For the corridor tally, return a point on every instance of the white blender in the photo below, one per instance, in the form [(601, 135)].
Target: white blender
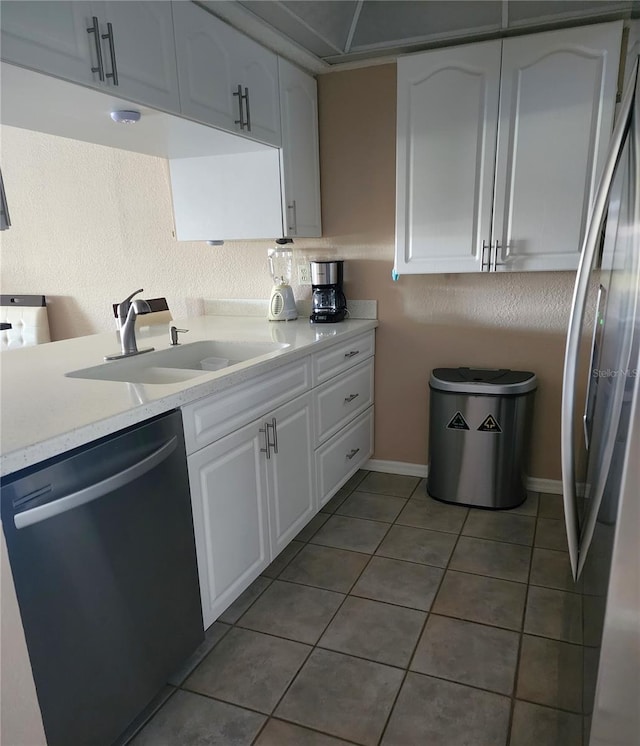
[(282, 304)]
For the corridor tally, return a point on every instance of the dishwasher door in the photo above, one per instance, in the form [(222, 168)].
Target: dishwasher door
[(103, 557)]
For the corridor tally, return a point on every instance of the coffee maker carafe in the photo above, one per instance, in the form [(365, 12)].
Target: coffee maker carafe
[(328, 303)]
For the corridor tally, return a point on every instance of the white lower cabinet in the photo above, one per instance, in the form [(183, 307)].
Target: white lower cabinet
[(343, 407), (290, 469), (230, 520), (338, 401), (251, 492), (341, 456), (255, 485)]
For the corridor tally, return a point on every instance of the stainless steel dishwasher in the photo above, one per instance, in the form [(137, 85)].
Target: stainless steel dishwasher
[(102, 553)]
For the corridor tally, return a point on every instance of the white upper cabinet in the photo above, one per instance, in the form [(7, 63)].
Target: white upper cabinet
[(633, 48), (557, 99), (126, 48), (498, 159), (140, 45), (50, 37), (230, 197), (256, 80), (446, 145), (226, 79), (300, 170)]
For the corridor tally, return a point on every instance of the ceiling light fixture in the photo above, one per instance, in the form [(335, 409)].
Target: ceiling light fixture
[(125, 117)]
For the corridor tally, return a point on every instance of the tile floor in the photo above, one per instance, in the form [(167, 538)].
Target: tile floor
[(393, 619)]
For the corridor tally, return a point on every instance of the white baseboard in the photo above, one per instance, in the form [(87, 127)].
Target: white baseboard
[(548, 486), (396, 467), (535, 484)]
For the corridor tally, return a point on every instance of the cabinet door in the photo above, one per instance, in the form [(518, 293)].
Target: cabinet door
[(144, 52), (50, 37), (446, 140), (633, 49), (341, 456), (299, 154), (256, 70), (228, 495), (213, 60), (204, 51), (557, 99), (291, 471)]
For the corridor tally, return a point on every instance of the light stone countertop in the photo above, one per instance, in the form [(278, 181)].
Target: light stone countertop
[(45, 413)]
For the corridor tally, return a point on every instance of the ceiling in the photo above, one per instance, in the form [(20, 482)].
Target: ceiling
[(319, 34)]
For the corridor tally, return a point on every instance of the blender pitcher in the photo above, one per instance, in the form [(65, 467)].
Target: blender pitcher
[(282, 304)]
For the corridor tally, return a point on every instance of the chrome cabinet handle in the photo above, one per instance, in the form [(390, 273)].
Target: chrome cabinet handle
[(352, 353), (97, 490), (352, 453), (267, 444), (293, 228), (483, 250), (350, 398), (238, 93), (274, 427), (243, 97), (495, 257), (112, 51), (574, 333), (96, 31), (246, 108)]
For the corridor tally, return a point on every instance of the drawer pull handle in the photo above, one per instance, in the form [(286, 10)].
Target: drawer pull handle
[(352, 353), (352, 453), (349, 399)]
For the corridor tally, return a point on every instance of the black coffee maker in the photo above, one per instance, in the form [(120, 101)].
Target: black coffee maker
[(328, 303)]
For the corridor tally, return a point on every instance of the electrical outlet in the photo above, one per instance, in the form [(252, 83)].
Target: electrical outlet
[(304, 274)]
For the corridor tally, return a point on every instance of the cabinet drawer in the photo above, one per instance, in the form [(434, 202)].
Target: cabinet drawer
[(342, 356), (339, 401), (341, 456), (217, 415)]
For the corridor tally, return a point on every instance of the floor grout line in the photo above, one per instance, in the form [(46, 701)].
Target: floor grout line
[(516, 672)]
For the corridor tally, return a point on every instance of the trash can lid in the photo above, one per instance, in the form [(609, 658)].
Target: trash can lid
[(493, 381)]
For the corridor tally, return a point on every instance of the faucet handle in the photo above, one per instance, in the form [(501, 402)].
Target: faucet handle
[(123, 308), (173, 334)]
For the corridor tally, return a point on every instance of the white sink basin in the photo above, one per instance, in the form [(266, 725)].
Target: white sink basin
[(177, 364)]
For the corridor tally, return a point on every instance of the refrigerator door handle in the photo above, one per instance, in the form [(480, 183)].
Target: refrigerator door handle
[(586, 417), (589, 250)]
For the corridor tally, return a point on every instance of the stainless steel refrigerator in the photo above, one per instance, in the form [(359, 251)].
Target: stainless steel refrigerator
[(603, 517)]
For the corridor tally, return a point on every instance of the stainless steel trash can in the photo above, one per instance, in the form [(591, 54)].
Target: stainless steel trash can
[(479, 432)]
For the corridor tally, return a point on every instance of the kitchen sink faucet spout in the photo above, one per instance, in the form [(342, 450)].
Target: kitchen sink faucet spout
[(128, 311)]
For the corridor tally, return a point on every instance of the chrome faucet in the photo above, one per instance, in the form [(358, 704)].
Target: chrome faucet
[(128, 310)]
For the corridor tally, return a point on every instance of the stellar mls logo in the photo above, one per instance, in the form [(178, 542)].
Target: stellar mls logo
[(614, 373)]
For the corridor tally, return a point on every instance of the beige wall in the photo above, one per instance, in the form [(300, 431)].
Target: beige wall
[(504, 320), (92, 223)]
